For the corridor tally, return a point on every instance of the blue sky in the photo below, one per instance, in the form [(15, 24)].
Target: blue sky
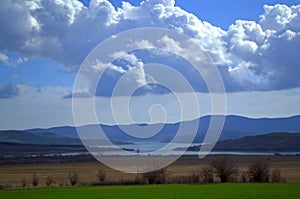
[(40, 52), (224, 13)]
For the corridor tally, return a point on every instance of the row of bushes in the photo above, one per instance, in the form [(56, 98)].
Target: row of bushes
[(72, 179), (222, 169), (208, 175)]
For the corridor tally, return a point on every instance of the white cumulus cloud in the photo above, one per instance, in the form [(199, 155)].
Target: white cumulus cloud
[(251, 55)]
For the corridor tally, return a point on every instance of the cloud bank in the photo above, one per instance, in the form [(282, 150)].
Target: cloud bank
[(250, 55)]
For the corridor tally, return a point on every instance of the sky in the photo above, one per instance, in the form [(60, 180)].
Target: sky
[(254, 44)]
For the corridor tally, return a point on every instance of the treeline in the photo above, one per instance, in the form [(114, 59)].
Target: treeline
[(219, 170)]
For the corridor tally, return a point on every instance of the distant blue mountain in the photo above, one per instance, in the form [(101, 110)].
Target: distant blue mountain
[(235, 127), (45, 138), (62, 130)]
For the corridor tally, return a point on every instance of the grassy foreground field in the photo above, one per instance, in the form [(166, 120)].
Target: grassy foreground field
[(216, 191)]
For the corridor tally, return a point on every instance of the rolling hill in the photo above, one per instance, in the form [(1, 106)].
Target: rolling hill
[(23, 137), (272, 142)]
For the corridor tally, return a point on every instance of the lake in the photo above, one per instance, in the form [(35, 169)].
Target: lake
[(150, 148)]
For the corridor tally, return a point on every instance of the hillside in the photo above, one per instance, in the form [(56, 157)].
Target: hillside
[(20, 150), (272, 142), (22, 137)]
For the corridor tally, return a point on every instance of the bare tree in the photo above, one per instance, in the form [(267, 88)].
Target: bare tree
[(73, 178), (194, 178), (151, 176), (259, 171), (23, 183), (224, 168), (35, 180), (158, 176), (244, 177), (101, 176), (163, 175), (61, 183), (49, 181), (276, 176), (207, 175)]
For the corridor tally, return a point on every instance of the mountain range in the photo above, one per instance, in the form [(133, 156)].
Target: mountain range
[(235, 127), (238, 134)]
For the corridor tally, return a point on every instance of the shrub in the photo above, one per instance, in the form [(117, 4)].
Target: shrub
[(259, 171), (206, 175), (151, 176), (101, 176), (276, 176), (195, 178), (73, 178), (224, 168), (157, 176), (61, 183), (244, 177), (49, 181), (23, 183), (163, 175), (35, 180)]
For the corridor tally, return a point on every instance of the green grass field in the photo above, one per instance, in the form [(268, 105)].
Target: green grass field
[(214, 191)]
